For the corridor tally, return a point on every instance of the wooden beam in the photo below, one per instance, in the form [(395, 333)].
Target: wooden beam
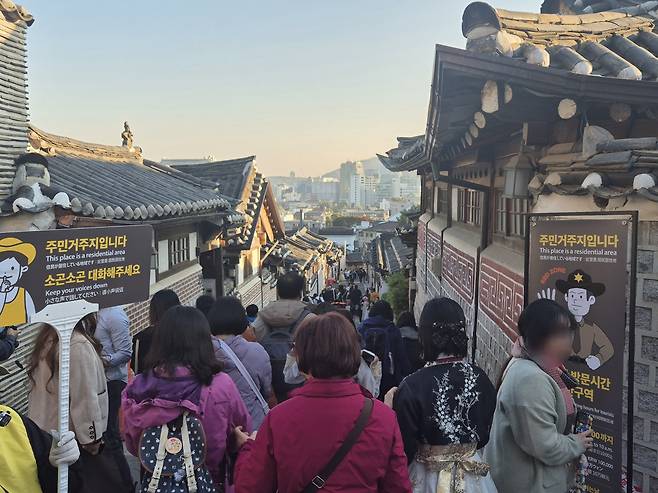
[(567, 108), (620, 112), (495, 95), (480, 120)]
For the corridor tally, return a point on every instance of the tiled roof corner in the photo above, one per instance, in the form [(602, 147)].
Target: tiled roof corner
[(15, 13), (614, 43)]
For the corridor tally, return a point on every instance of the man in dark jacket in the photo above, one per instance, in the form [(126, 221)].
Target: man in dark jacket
[(380, 336), (355, 296)]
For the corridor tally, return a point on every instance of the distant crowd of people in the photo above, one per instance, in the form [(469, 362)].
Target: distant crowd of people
[(297, 397)]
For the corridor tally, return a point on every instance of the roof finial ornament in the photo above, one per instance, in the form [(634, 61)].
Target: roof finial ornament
[(127, 136)]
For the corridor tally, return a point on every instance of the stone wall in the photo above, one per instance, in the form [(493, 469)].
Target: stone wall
[(645, 450), (500, 299)]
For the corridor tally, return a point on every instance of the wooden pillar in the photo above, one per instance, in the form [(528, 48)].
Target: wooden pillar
[(218, 262)]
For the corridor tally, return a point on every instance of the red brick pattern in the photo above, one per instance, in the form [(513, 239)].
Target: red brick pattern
[(501, 295), (433, 243), (188, 290), (421, 235), (458, 268)]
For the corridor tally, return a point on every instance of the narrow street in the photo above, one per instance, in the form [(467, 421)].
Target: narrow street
[(195, 204)]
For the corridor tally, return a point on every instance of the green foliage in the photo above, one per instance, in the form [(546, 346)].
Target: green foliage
[(398, 292), (345, 221)]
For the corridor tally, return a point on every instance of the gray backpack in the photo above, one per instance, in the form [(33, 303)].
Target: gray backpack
[(278, 343)]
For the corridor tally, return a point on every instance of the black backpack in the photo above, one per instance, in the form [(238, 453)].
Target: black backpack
[(173, 458), (377, 340), (278, 343)]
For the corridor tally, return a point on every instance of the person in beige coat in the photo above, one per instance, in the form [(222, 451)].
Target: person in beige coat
[(532, 448), (88, 387)]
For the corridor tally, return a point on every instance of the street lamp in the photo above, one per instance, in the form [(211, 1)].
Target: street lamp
[(518, 174)]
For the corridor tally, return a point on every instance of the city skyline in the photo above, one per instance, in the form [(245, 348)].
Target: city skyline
[(237, 80)]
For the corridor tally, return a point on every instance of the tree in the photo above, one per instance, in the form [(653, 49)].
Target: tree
[(346, 221), (398, 292)]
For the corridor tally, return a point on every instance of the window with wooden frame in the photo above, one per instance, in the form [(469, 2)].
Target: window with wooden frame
[(444, 197), (469, 207), (511, 215), (440, 199), (427, 193), (179, 250)]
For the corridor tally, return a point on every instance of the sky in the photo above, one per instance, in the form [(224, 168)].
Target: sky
[(302, 84)]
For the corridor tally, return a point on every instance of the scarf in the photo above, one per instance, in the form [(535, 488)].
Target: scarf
[(555, 370)]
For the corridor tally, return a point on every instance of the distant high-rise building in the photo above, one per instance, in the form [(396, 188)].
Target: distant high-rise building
[(325, 190), (363, 191), (348, 170)]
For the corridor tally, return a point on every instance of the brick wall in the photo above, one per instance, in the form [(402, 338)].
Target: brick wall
[(255, 292), (501, 297), (188, 286)]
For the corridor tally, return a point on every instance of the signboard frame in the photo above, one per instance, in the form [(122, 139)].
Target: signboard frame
[(633, 218), (98, 264)]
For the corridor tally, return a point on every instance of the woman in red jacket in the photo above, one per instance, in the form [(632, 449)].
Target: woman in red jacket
[(300, 436)]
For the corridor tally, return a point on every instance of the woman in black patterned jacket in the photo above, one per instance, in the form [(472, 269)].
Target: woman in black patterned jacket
[(445, 409)]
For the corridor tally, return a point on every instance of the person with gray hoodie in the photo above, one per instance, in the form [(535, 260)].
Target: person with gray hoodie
[(275, 325)]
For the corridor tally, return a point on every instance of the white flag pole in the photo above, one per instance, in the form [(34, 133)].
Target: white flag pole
[(63, 317)]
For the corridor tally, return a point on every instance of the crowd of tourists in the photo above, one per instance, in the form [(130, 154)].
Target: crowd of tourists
[(296, 397)]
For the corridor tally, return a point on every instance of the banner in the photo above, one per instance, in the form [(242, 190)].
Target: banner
[(583, 264), (108, 266)]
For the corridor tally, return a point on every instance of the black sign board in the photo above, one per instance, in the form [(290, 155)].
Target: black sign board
[(586, 262), (106, 266)]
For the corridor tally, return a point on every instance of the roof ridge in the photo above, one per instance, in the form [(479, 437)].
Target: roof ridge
[(52, 144), (15, 13)]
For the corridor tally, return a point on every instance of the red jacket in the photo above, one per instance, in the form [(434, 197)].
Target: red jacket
[(299, 436)]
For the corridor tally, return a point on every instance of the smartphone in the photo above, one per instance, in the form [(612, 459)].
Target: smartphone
[(583, 422), (368, 356)]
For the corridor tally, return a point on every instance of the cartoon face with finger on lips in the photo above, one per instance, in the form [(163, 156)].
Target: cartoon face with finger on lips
[(16, 305)]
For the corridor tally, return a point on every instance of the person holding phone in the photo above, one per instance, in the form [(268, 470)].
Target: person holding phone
[(533, 447)]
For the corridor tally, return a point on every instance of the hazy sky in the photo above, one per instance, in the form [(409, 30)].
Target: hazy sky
[(303, 84)]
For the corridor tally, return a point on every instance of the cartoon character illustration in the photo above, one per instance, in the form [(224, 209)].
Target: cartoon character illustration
[(580, 293), (16, 305)]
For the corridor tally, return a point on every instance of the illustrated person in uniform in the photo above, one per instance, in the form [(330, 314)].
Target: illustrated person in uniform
[(16, 305), (580, 293)]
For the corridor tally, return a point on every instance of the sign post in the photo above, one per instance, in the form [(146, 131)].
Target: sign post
[(586, 262), (63, 317), (59, 276)]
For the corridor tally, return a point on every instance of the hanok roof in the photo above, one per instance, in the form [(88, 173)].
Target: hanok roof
[(15, 13), (408, 155), (618, 169), (114, 182), (14, 20), (533, 61), (383, 227), (389, 254), (614, 44), (635, 7), (240, 180), (301, 249), (230, 175)]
